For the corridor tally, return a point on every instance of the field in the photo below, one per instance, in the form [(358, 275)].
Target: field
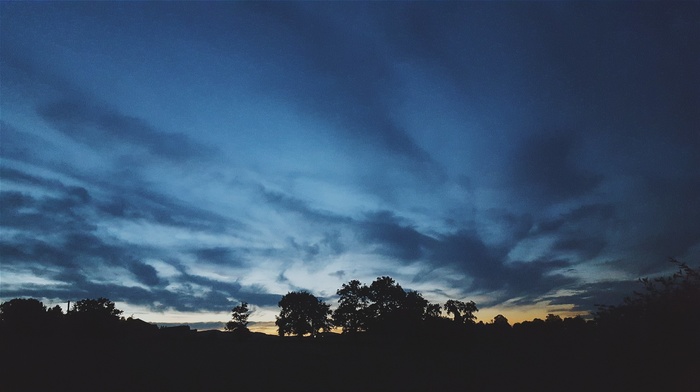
[(216, 361)]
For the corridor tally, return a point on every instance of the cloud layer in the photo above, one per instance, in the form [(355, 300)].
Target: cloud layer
[(517, 154)]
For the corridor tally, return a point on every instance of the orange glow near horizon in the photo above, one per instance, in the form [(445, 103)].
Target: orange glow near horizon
[(486, 315), (262, 323), (524, 313)]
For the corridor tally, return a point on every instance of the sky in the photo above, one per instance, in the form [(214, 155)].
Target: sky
[(179, 158)]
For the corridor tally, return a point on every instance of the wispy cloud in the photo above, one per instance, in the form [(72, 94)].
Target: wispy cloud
[(102, 128)]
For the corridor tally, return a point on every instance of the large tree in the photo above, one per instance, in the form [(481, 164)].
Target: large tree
[(384, 306), (414, 306), (97, 308), (302, 313), (352, 314), (23, 315), (95, 315), (387, 297)]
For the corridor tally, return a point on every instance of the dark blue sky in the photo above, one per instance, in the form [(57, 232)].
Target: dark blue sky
[(181, 157)]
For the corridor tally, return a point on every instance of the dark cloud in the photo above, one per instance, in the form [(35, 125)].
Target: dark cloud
[(46, 215), (283, 202), (333, 242), (545, 169), (24, 178), (599, 214), (589, 296), (217, 255), (135, 203), (73, 208), (395, 239), (145, 273), (127, 196), (201, 326), (80, 255), (19, 250), (309, 250), (260, 298), (579, 233), (586, 247), (672, 226), (530, 281), (484, 266), (466, 250), (101, 128), (490, 273), (64, 216)]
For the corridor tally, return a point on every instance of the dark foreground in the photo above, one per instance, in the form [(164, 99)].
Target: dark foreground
[(218, 361)]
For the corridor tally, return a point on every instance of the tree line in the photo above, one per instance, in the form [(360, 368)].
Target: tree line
[(667, 305), (89, 317), (383, 306), (391, 340)]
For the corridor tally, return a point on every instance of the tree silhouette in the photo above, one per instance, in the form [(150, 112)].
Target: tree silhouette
[(386, 295), (302, 313), (462, 312), (414, 307), (384, 306), (98, 316), (239, 319), (667, 306), (352, 314), (23, 315), (553, 319), (501, 321), (98, 308), (433, 311)]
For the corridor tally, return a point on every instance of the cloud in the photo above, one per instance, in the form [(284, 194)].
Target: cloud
[(55, 206), (138, 204), (587, 297), (20, 250), (56, 236), (145, 273), (671, 229), (394, 239), (489, 272), (100, 199), (544, 168), (580, 215), (586, 247), (47, 214), (83, 259), (358, 105), (22, 177), (217, 255), (101, 128), (19, 145), (287, 203), (484, 266)]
